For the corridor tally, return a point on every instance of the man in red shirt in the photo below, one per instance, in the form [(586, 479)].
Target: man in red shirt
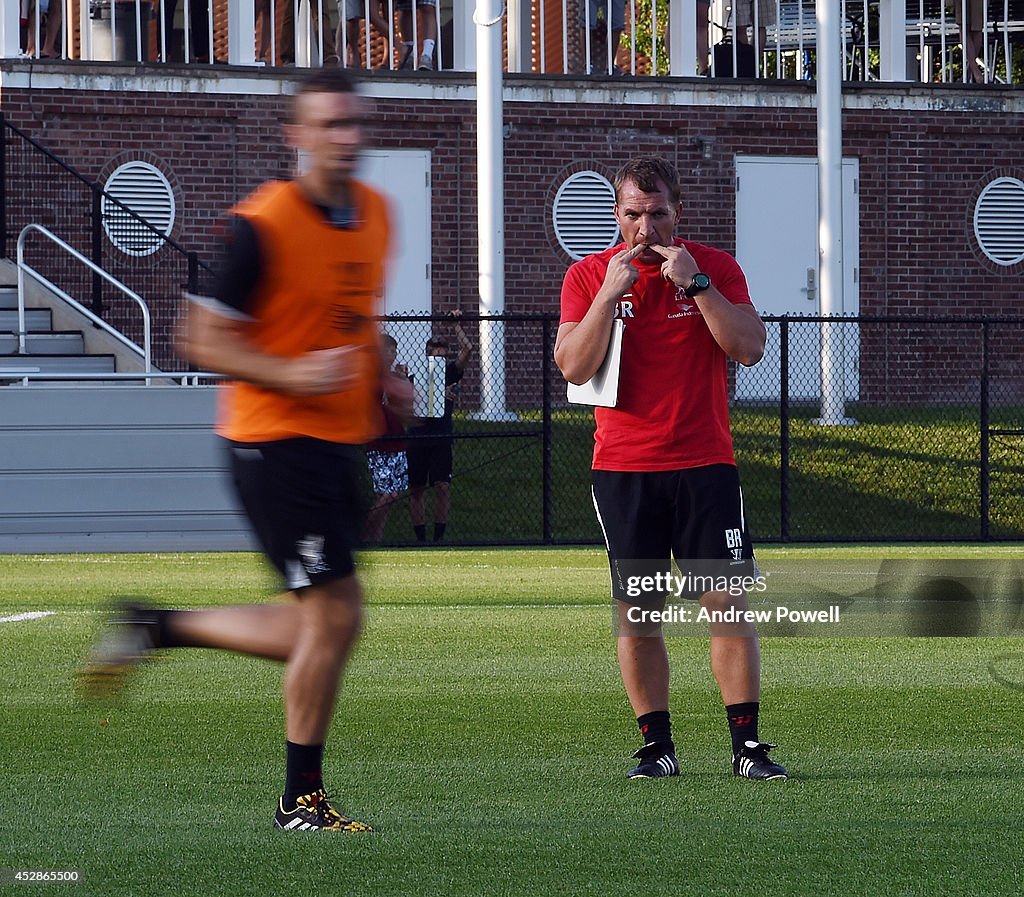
[(664, 477)]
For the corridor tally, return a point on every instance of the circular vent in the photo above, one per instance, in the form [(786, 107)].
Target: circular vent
[(583, 217), (999, 221), (143, 189)]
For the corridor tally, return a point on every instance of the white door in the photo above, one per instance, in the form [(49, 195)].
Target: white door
[(403, 176), (777, 247)]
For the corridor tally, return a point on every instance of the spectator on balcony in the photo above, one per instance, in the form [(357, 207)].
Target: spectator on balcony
[(703, 48), (350, 14), (321, 30), (426, 32), (264, 28), (595, 16), (972, 35), (198, 28), (50, 13), (745, 28)]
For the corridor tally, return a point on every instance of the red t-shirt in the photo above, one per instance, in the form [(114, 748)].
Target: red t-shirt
[(673, 404)]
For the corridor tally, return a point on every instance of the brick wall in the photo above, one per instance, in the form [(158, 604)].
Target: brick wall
[(921, 170)]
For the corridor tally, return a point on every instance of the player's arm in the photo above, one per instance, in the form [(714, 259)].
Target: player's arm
[(465, 346), (580, 346), (214, 336), (215, 342), (738, 329), (397, 389)]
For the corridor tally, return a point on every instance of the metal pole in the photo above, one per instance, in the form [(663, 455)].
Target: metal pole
[(986, 425), (548, 503), (3, 186), (830, 211), (683, 25), (784, 430), (241, 32), (96, 305), (892, 40), (10, 30), (193, 272), (490, 161)]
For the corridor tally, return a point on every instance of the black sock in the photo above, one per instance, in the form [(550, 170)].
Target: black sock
[(439, 529), (421, 531), (303, 773), (163, 635), (656, 726), (742, 723)]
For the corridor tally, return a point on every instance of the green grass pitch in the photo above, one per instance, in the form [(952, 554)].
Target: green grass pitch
[(483, 729)]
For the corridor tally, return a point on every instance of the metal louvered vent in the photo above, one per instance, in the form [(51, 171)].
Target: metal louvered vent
[(999, 221), (582, 216), (143, 189)]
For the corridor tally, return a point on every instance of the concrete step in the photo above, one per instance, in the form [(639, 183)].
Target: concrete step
[(8, 297), (69, 342), (35, 319), (58, 364)]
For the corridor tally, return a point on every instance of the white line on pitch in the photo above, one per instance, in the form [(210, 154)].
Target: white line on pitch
[(30, 615)]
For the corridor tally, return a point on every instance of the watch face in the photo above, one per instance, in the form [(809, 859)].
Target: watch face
[(698, 284)]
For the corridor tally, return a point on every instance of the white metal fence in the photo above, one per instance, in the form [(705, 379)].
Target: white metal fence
[(936, 41)]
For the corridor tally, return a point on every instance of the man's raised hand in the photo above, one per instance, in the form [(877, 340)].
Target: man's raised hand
[(679, 266), (622, 273)]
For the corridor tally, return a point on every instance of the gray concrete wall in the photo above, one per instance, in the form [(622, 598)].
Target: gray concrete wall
[(114, 468)]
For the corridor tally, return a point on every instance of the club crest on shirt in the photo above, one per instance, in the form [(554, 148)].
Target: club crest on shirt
[(685, 307)]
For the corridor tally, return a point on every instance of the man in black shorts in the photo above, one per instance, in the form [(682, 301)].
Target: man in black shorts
[(664, 478), (291, 321), (430, 441)]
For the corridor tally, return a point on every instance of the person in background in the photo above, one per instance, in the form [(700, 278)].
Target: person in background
[(386, 458), (426, 33), (430, 442), (351, 29)]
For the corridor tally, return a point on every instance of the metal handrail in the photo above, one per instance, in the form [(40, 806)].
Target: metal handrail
[(193, 260), (190, 379), (23, 269)]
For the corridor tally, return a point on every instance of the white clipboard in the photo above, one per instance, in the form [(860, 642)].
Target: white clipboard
[(603, 388), (428, 380)]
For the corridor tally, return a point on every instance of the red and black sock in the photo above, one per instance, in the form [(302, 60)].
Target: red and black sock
[(656, 726), (742, 723), (303, 773)]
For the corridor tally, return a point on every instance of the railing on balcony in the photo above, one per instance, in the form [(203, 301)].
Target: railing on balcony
[(932, 41)]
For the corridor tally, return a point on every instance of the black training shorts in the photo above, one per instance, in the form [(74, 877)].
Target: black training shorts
[(693, 515), (306, 500), (430, 460)]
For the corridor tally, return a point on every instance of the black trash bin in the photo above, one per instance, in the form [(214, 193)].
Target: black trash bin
[(120, 41)]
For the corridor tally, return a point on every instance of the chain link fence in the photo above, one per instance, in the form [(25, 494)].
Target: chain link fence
[(901, 429)]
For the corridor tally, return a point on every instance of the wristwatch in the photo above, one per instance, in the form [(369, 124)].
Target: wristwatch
[(698, 284)]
